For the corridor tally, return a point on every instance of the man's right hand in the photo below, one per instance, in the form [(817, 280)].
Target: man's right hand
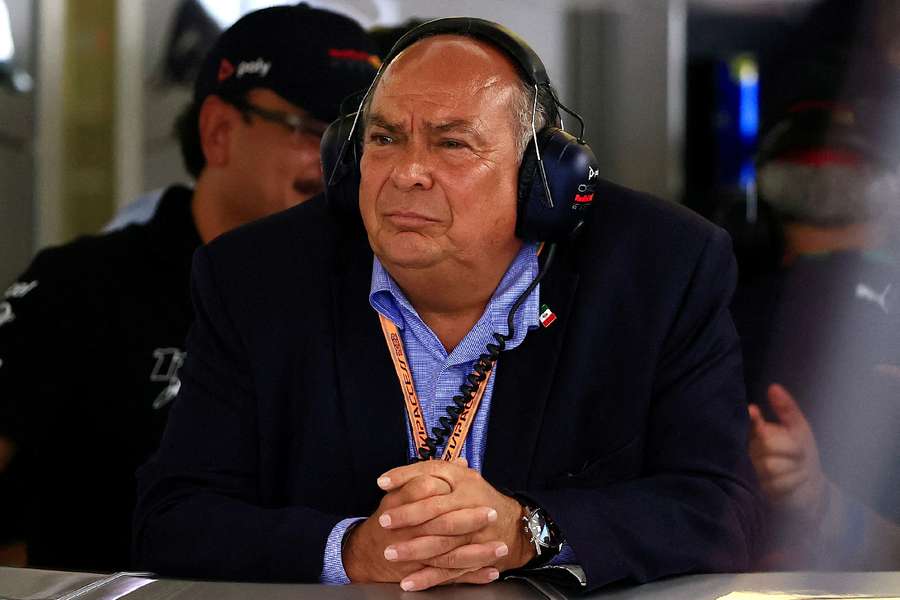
[(786, 457), (364, 551)]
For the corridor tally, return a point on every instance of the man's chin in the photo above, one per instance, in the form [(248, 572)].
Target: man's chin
[(407, 254), (409, 265)]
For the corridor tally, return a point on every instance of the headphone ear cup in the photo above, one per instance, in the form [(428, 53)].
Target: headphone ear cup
[(528, 171), (571, 170), (340, 167)]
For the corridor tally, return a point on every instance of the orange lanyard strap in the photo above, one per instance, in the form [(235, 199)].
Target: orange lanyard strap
[(414, 408)]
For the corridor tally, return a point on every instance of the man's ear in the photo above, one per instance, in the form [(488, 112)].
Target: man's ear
[(217, 123)]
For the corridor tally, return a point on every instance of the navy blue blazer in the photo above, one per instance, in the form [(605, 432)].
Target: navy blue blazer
[(625, 419)]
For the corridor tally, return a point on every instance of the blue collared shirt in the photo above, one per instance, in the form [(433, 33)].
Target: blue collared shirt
[(438, 375)]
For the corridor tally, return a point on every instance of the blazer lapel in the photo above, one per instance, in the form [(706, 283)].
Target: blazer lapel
[(369, 392), (525, 377)]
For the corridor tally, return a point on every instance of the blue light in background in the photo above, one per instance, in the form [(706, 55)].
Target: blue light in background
[(747, 175), (748, 75)]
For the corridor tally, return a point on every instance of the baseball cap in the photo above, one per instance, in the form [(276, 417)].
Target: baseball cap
[(813, 131), (312, 58), (826, 117), (825, 164), (817, 132)]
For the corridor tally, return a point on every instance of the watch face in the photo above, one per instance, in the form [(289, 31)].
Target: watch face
[(539, 529)]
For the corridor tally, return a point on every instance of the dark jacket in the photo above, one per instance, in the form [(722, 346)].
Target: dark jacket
[(625, 419), (94, 336)]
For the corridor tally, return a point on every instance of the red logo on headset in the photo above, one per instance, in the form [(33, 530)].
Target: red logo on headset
[(584, 198), (226, 70)]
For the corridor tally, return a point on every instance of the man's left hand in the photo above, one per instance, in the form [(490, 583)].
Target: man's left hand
[(468, 490)]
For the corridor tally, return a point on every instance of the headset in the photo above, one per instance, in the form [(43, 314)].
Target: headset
[(558, 173)]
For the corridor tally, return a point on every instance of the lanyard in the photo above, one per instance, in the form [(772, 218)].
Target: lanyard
[(414, 408)]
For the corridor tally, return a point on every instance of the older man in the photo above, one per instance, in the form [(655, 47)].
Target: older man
[(617, 431)]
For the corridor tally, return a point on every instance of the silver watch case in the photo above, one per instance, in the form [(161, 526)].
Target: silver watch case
[(538, 529)]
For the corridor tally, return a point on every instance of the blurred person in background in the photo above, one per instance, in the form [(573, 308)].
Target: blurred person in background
[(92, 334), (821, 339)]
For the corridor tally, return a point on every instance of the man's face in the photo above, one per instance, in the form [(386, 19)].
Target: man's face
[(274, 167), (440, 163)]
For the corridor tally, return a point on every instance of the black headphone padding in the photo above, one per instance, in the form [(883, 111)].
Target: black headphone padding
[(528, 172), (340, 157)]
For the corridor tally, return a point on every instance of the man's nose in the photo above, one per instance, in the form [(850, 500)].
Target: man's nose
[(413, 168)]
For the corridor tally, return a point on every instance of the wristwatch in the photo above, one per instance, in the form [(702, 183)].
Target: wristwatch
[(543, 533)]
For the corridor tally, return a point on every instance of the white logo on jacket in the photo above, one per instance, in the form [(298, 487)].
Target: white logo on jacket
[(864, 292), (20, 288), (6, 313), (168, 361)]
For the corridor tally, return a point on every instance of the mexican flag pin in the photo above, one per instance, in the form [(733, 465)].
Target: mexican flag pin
[(547, 316)]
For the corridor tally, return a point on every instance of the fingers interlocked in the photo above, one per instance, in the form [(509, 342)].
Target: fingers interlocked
[(443, 524)]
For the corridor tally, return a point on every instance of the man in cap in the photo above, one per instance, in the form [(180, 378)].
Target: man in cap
[(821, 340), (92, 334)]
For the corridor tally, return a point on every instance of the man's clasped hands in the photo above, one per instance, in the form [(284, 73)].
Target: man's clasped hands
[(440, 522)]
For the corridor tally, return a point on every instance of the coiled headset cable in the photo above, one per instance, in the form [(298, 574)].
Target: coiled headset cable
[(484, 364)]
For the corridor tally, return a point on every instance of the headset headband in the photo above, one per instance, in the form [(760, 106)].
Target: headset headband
[(514, 46)]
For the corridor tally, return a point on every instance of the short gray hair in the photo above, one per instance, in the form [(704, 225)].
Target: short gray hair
[(523, 106)]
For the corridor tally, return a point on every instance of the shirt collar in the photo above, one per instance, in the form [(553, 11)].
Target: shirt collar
[(386, 297)]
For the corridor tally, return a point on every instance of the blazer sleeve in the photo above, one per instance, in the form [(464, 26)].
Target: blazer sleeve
[(199, 513), (695, 506)]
